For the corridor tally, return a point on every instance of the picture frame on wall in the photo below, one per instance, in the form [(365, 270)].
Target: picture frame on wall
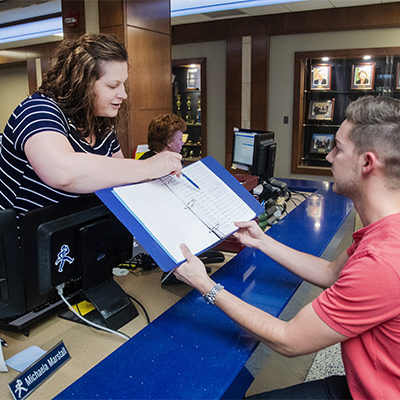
[(363, 76), (321, 76), (322, 143), (321, 110)]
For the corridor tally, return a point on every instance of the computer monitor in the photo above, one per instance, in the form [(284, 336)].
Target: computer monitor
[(76, 245), (255, 151)]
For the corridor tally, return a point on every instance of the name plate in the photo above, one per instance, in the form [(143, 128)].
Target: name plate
[(29, 380)]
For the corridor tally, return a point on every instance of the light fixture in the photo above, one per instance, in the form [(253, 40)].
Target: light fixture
[(367, 57), (325, 58), (31, 30), (184, 7), (31, 21)]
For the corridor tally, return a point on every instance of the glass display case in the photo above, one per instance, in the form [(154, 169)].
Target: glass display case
[(188, 96), (324, 85)]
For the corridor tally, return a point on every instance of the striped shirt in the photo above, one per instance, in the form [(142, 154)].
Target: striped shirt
[(20, 187)]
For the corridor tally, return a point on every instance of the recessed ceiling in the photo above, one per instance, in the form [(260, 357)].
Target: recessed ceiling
[(186, 12), (191, 11)]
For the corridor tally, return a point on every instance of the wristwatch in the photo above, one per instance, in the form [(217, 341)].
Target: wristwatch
[(210, 296)]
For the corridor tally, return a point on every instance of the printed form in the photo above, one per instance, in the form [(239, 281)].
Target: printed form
[(199, 218)]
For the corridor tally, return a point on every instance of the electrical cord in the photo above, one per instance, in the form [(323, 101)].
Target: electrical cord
[(306, 196), (141, 306), (289, 197), (60, 292)]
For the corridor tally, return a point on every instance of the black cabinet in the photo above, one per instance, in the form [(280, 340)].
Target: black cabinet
[(189, 102)]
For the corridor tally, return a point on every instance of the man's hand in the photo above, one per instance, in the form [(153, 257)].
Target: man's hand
[(193, 272), (249, 234)]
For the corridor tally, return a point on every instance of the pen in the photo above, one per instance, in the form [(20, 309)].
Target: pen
[(185, 176)]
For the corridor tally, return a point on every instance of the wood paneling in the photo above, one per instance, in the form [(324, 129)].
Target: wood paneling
[(144, 28), (111, 13), (150, 68), (151, 14), (259, 81), (199, 32), (118, 31), (233, 93), (333, 19), (150, 79), (337, 19), (32, 79)]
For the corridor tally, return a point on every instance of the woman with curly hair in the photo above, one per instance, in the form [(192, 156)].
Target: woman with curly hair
[(62, 141)]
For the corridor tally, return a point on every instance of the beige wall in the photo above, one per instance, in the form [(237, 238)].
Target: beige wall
[(14, 88), (282, 51)]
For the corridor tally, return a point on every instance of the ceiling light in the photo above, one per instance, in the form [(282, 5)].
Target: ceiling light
[(31, 30), (184, 7)]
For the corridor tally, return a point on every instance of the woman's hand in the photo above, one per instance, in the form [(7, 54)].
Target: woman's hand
[(164, 163)]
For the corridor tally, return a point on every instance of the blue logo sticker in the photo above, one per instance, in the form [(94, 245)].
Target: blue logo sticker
[(63, 257)]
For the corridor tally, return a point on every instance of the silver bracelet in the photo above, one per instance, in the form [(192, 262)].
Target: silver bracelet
[(210, 296)]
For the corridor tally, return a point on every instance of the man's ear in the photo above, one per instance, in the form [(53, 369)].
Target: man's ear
[(370, 162)]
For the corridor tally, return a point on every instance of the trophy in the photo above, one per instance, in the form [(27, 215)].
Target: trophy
[(189, 111), (178, 105), (199, 111)]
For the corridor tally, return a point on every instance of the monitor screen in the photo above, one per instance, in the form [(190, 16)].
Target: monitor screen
[(255, 151), (243, 148), (76, 245)]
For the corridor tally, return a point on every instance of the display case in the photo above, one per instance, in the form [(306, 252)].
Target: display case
[(189, 100), (325, 82)]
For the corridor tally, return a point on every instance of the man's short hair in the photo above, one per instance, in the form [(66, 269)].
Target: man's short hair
[(377, 129)]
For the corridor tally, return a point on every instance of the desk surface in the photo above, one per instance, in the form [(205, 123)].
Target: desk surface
[(192, 350)]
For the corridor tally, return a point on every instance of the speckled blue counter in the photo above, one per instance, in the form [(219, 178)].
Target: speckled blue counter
[(193, 351)]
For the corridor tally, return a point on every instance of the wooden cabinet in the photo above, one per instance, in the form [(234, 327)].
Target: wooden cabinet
[(325, 82)]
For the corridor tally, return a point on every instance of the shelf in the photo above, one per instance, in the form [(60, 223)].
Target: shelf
[(319, 108), (191, 104), (347, 92)]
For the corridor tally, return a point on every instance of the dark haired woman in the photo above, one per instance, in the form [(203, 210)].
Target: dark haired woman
[(62, 141)]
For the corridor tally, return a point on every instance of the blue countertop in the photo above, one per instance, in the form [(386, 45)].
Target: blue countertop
[(193, 350)]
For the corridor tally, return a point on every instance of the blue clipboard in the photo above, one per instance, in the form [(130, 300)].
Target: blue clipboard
[(146, 238)]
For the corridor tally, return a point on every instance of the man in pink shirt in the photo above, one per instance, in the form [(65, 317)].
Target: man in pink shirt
[(360, 307)]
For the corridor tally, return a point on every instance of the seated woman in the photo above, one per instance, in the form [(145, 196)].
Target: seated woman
[(165, 134), (62, 141)]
